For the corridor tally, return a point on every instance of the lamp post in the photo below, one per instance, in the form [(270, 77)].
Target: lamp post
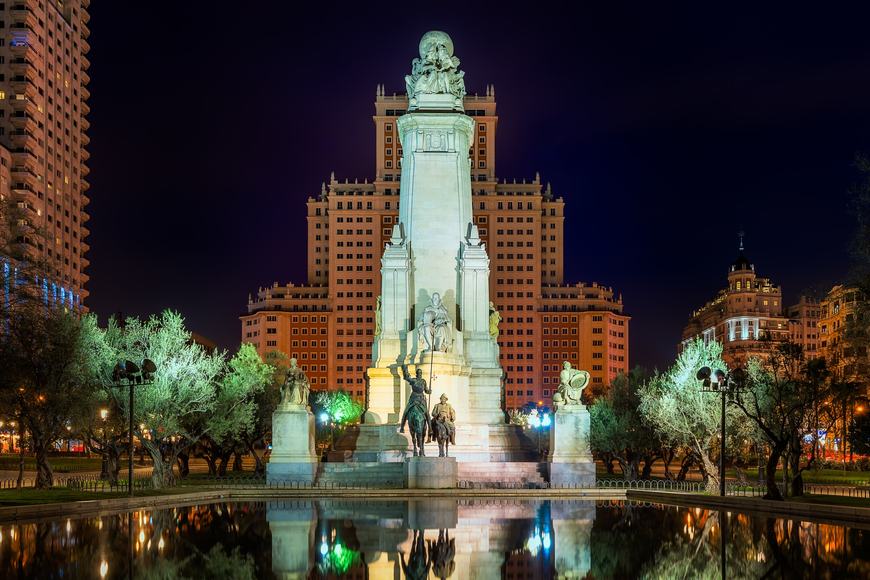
[(127, 372), (104, 463), (725, 384)]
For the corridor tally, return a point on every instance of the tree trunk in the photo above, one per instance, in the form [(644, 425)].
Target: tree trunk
[(710, 474), (607, 458), (794, 457), (629, 468), (259, 467), (114, 464), (237, 462), (44, 475), (20, 480), (161, 473), (685, 466), (647, 467), (184, 464), (770, 472), (224, 463), (211, 461)]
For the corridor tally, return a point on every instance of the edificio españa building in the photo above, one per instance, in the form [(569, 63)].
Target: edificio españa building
[(329, 323)]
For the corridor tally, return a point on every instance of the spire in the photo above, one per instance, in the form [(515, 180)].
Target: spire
[(740, 236), (331, 176)]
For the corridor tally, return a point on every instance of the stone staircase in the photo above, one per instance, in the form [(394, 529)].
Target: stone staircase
[(359, 474), (528, 474)]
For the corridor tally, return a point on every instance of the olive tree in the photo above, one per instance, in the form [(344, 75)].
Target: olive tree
[(684, 415), (194, 393)]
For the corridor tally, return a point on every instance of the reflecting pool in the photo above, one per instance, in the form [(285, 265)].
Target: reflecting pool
[(437, 538)]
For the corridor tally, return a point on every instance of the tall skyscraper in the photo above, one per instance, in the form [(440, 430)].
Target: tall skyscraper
[(43, 136), (329, 323)]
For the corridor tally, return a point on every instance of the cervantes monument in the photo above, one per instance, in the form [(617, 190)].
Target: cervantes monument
[(434, 306)]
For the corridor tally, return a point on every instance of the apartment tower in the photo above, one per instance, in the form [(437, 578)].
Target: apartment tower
[(43, 136)]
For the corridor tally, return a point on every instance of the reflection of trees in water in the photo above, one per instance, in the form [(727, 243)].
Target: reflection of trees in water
[(631, 541), (229, 539)]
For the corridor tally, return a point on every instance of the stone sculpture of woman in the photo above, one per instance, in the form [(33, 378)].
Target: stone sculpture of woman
[(294, 391), (494, 319)]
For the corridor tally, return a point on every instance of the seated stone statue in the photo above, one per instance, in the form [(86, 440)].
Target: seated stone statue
[(434, 326), (294, 391), (571, 385)]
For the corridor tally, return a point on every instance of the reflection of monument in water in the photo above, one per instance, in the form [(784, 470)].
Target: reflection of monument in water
[(429, 538)]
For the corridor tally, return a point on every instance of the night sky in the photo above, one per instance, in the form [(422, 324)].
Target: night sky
[(665, 130)]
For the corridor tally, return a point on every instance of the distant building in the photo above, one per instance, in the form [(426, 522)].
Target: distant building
[(837, 311), (328, 324), (803, 321), (746, 316)]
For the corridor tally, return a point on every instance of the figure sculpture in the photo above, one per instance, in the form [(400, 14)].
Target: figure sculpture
[(571, 384), (434, 326), (494, 320), (416, 412), (442, 554), (418, 565), (443, 429), (437, 70), (378, 318), (294, 391)]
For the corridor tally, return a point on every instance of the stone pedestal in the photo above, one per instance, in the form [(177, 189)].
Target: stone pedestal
[(431, 473), (571, 462), (293, 458)]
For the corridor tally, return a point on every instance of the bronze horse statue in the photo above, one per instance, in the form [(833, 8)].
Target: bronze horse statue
[(417, 411)]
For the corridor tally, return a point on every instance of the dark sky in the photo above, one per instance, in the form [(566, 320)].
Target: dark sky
[(666, 130)]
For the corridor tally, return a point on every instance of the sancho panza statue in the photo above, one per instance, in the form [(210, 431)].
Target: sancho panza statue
[(434, 326), (437, 69), (571, 385), (294, 391)]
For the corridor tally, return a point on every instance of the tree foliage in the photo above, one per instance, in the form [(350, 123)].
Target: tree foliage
[(619, 429), (194, 394), (683, 415)]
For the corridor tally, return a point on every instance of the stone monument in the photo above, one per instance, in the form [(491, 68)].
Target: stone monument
[(293, 458), (570, 458), (435, 312)]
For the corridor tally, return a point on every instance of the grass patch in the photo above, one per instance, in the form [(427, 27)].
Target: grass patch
[(58, 464), (833, 500), (45, 496)]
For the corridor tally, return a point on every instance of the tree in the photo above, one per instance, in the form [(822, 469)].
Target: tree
[(618, 428), (195, 394), (859, 432), (784, 397), (47, 376), (266, 401), (684, 415)]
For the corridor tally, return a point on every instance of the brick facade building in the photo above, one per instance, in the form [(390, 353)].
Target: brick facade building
[(328, 323)]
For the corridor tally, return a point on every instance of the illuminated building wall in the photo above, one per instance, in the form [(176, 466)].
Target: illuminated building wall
[(837, 310), (43, 105), (803, 319), (746, 317), (328, 324)]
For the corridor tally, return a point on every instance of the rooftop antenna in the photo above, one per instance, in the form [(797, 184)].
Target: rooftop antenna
[(740, 236)]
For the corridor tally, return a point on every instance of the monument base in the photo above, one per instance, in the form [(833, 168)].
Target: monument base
[(431, 473), (292, 458), (571, 462), (581, 474)]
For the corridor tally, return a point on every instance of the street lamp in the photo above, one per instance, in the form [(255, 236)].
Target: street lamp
[(726, 384), (127, 372)]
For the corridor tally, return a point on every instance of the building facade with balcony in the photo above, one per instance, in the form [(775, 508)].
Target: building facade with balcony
[(329, 323), (43, 132)]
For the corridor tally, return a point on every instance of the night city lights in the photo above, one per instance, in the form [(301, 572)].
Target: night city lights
[(551, 290)]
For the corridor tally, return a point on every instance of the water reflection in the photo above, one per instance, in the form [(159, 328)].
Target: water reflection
[(431, 539)]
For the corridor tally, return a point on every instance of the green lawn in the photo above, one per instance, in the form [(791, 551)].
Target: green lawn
[(833, 500), (43, 496), (831, 476), (58, 464)]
